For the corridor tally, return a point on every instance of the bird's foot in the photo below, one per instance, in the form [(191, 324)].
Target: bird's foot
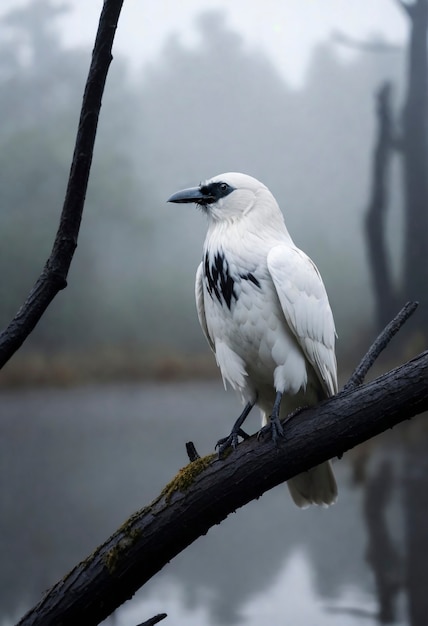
[(273, 428), (231, 441)]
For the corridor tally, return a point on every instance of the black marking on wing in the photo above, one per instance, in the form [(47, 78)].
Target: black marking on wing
[(219, 282), (251, 278)]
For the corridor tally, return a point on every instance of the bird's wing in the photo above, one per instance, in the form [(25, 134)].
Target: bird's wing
[(199, 296), (306, 308)]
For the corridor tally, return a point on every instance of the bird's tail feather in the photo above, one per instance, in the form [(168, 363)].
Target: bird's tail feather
[(316, 486)]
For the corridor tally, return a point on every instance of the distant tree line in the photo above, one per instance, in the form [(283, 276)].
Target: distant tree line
[(179, 120)]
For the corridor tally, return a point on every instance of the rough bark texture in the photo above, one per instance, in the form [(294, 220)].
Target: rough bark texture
[(207, 490), (54, 275)]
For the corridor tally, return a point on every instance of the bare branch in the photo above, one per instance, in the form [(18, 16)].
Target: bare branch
[(154, 620), (380, 344), (54, 275), (207, 490)]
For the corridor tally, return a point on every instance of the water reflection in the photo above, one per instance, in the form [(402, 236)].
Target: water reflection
[(75, 463), (290, 598), (383, 556)]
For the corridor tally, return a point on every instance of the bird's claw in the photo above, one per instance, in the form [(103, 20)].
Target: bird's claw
[(226, 442), (274, 428), (231, 441)]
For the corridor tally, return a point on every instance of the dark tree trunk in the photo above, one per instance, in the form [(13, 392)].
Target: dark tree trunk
[(386, 299), (415, 283)]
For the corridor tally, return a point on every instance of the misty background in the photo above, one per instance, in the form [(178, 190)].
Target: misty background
[(191, 113), (271, 91)]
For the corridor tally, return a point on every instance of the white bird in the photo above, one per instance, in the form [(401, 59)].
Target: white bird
[(264, 310)]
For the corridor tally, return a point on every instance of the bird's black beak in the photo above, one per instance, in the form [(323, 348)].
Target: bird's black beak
[(194, 194)]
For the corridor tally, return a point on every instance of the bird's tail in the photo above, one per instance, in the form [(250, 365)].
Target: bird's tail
[(316, 486)]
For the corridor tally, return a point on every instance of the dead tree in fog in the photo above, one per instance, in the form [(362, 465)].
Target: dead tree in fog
[(412, 147), (375, 224), (415, 160), (413, 150)]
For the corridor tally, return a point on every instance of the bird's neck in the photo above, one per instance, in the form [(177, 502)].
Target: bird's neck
[(259, 229)]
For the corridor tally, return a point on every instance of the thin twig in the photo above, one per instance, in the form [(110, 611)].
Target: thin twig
[(380, 344), (154, 620)]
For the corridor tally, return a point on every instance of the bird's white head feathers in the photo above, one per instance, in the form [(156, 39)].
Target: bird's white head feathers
[(231, 197)]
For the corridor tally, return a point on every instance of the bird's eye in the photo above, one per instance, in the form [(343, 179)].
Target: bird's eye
[(224, 186)]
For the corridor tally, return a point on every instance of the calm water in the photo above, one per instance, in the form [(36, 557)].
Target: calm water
[(74, 464)]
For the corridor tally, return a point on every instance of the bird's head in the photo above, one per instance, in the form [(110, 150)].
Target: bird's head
[(229, 197)]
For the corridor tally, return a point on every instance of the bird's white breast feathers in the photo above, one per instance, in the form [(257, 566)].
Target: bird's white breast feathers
[(265, 314)]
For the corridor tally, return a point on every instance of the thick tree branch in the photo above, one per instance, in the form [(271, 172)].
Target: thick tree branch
[(54, 275), (207, 490)]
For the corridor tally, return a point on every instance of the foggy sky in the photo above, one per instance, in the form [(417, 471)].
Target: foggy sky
[(286, 31)]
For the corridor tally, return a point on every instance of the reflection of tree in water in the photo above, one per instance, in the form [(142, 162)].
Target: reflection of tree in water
[(248, 553), (399, 565), (415, 506), (97, 453), (382, 555)]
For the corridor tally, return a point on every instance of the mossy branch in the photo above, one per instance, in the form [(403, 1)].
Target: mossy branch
[(208, 489)]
